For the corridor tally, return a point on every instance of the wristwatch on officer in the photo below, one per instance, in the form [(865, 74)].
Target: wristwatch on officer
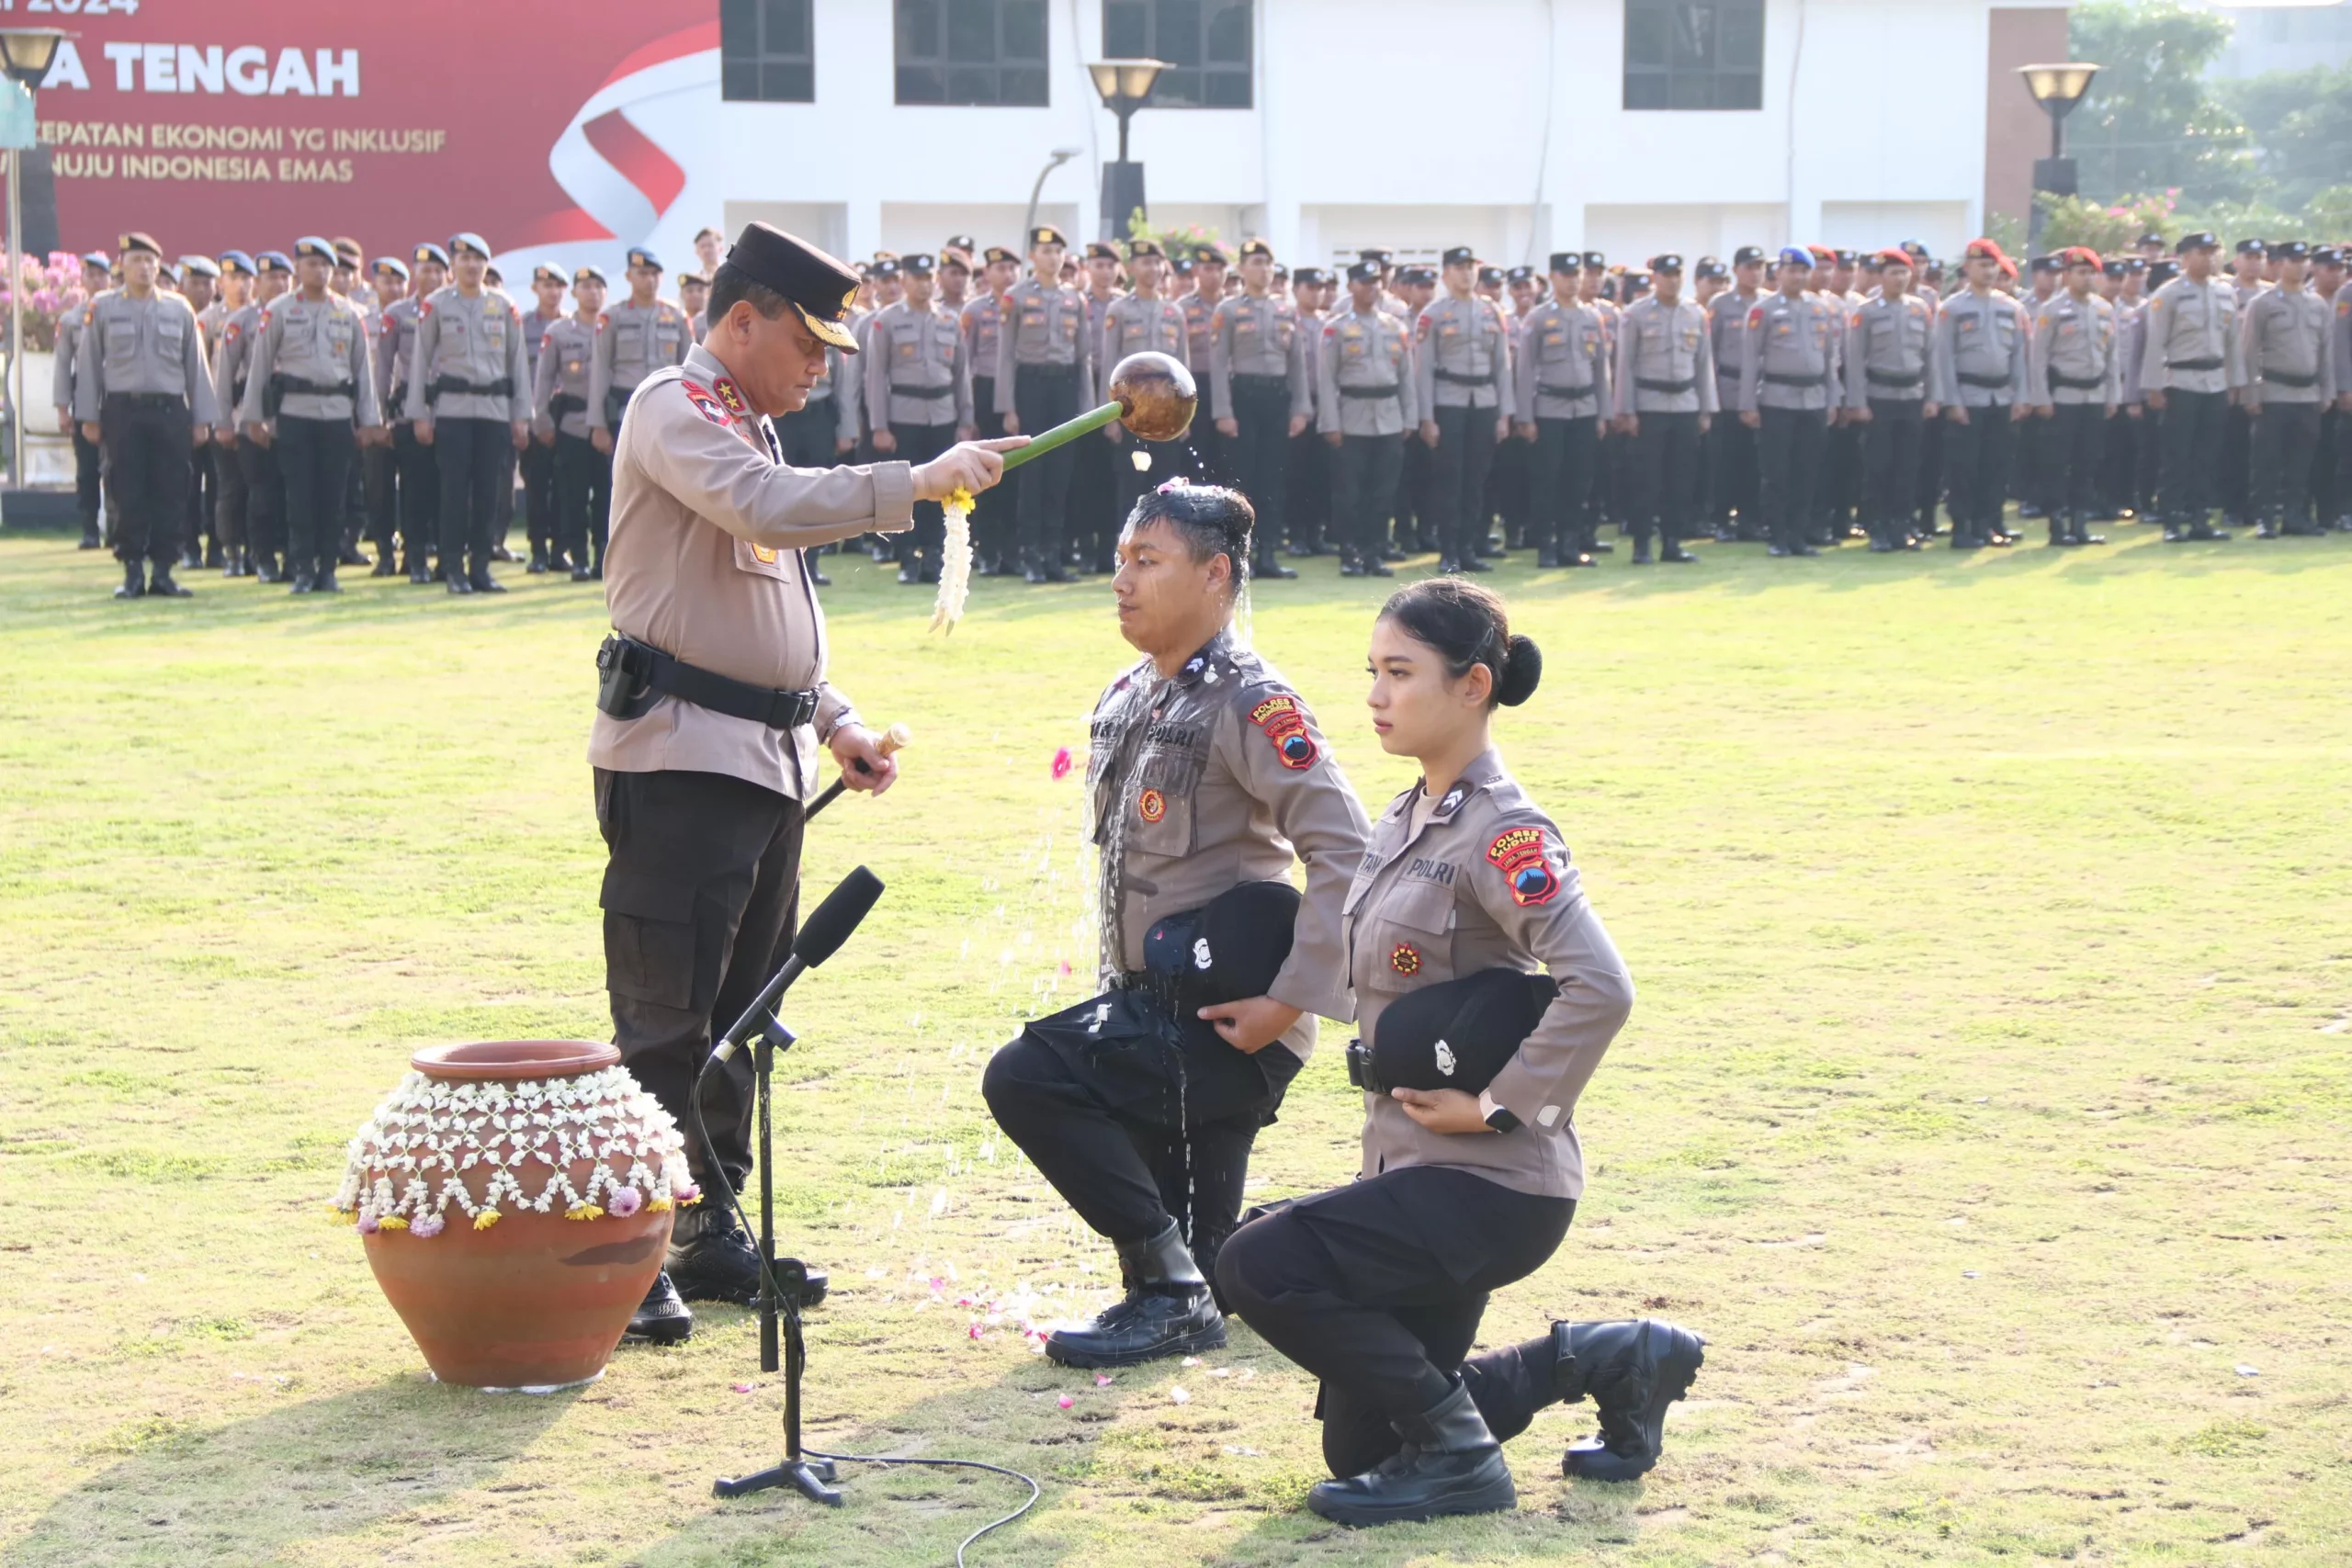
[(1498, 1117)]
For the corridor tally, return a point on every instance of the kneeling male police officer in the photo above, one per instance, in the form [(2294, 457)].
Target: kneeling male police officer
[(714, 704)]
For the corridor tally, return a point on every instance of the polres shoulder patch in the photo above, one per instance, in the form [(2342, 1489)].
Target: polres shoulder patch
[(1519, 854), (1283, 718), (705, 404)]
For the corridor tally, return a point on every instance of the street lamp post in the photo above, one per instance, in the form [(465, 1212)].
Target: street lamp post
[(2057, 88), (1055, 160), (25, 57), (1124, 86)]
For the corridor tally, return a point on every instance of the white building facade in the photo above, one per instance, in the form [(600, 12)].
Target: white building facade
[(1499, 124)]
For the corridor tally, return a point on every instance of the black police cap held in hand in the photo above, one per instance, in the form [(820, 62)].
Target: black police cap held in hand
[(1454, 1034), (1230, 948), (821, 287)]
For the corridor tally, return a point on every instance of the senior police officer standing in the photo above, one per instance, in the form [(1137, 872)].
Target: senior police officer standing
[(1787, 381), (143, 390), (469, 402), (714, 702), (1562, 397), (2285, 378), (2192, 342), (1369, 399), (1666, 398), (1980, 356), (918, 386), (1889, 340), (309, 382)]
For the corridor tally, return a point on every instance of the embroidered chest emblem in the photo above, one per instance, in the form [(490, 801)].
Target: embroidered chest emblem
[(1406, 960), (1517, 854), (1151, 806)]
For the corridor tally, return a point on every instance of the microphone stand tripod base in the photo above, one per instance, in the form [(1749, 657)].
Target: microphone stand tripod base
[(810, 1478)]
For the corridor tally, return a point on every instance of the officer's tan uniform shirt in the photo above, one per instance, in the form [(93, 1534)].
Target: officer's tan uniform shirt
[(325, 345), (1365, 363), (1211, 778), (68, 354), (1044, 323), (1665, 363), (1562, 365), (1792, 352), (1133, 324), (2192, 337), (1199, 313), (1888, 344), (1484, 882), (1256, 337), (141, 345), (2283, 347), (632, 341), (2072, 358), (233, 365), (395, 352), (915, 369), (983, 322), (1463, 357), (1727, 339), (478, 342), (705, 564), (1979, 352), (564, 351)]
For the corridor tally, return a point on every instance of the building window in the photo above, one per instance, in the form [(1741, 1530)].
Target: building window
[(972, 52), (1205, 43), (1695, 54), (765, 54)]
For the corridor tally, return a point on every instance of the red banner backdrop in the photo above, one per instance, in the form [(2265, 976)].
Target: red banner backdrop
[(247, 125)]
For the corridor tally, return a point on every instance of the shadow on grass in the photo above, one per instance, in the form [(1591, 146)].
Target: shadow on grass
[(244, 1491)]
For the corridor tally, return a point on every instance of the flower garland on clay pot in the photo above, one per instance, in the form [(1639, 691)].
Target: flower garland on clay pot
[(411, 1163)]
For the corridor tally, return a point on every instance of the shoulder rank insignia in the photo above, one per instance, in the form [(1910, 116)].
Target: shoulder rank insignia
[(731, 396), (1517, 854), (705, 405), (1284, 725)]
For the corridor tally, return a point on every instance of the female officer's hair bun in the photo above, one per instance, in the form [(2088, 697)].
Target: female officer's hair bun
[(1523, 670), (1465, 625)]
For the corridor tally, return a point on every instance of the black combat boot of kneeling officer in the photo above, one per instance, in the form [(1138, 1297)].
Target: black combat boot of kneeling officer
[(1168, 1311), (662, 1318), (1633, 1370), (1449, 1464)]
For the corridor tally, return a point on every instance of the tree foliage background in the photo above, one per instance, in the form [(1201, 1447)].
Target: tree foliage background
[(2158, 145)]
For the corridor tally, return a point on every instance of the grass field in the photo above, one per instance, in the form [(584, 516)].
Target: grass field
[(1985, 1104)]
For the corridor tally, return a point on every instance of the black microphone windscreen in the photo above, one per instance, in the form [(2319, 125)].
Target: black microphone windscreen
[(823, 932)]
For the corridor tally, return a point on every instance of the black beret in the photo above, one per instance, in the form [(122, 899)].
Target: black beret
[(1208, 255), (1454, 1034), (1144, 248), (1458, 256), (2201, 239), (1490, 274), (922, 264), (1047, 234), (820, 288), (2290, 250), (1256, 248), (1666, 262), (1307, 275), (1102, 250), (1746, 254), (1566, 261), (1364, 272)]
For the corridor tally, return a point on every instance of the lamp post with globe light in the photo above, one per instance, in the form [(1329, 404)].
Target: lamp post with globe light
[(1124, 86), (2057, 88), (25, 55)]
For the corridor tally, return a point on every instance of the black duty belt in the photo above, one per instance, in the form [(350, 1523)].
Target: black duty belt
[(1567, 394), (148, 399), (2194, 365), (284, 384), (632, 674), (563, 405), (1457, 379), (2075, 383), (1887, 378), (397, 404), (1821, 380), (1390, 390), (1990, 383), (1262, 383), (1038, 369), (1671, 389), (899, 391), (441, 386), (2299, 382)]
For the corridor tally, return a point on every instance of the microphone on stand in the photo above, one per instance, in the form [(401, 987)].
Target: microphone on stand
[(821, 935)]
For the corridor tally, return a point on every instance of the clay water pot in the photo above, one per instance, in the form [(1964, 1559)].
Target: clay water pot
[(538, 1297)]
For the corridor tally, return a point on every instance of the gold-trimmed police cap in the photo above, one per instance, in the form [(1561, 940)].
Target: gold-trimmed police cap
[(1047, 234), (998, 254), (1142, 247), (821, 287), (135, 241)]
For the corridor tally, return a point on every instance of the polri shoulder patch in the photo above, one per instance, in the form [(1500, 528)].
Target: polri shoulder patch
[(1284, 721), (705, 404), (1517, 854)]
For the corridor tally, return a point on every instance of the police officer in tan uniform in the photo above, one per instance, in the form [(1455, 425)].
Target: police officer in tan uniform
[(307, 397), (1562, 397), (1143, 321), (469, 401), (715, 707), (919, 387), (2075, 381), (2184, 370), (1042, 365), (635, 338), (1889, 390), (1207, 778), (1258, 395), (1369, 403), (2285, 378), (583, 476), (1788, 382), (96, 278), (1666, 398), (414, 464), (1377, 1288), (1980, 359), (1462, 356)]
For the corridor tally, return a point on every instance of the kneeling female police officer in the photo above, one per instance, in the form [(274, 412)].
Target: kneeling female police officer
[(1208, 778), (1377, 1288)]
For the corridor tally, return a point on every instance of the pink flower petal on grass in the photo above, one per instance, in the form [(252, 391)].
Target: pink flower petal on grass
[(1102, 1380), (1061, 764), (740, 1387), (1065, 1402)]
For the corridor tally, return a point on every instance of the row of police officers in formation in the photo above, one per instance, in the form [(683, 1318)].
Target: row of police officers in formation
[(263, 413)]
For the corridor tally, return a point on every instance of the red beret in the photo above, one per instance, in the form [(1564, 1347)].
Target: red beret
[(2081, 255), (1822, 253), (2008, 269), (1985, 250), (1895, 256)]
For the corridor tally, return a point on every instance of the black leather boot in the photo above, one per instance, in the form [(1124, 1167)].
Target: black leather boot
[(134, 581), (663, 1318), (266, 569), (713, 1259), (420, 569), (1633, 1370), (161, 586), (1168, 1311), (1449, 1464), (538, 561), (1268, 566)]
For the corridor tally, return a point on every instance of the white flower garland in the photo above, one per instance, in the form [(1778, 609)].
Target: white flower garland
[(425, 1127), (954, 562)]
